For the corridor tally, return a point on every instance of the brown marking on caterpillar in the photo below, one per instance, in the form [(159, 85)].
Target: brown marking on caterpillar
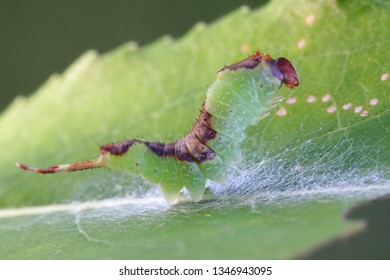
[(191, 147), (181, 151), (199, 151), (251, 62), (203, 133), (155, 147), (169, 149), (119, 148), (202, 126)]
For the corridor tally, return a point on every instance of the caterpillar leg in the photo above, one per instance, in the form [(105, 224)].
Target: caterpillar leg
[(193, 179), (171, 181)]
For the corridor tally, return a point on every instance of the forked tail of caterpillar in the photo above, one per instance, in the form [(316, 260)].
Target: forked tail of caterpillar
[(89, 164)]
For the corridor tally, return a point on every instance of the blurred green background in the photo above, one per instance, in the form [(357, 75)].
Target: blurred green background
[(42, 37)]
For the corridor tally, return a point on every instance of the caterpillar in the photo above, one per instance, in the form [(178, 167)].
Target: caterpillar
[(242, 94)]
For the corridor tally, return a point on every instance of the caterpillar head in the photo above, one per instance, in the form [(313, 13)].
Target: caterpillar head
[(289, 76), (281, 67)]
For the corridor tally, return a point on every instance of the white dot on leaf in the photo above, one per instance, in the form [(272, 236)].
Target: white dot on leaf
[(309, 19), (281, 112), (245, 48), (358, 109), (385, 76), (364, 113), (326, 97), (374, 101), (331, 109), (291, 100), (311, 98), (347, 106), (301, 43)]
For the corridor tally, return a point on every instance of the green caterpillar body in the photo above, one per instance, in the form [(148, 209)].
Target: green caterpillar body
[(242, 94)]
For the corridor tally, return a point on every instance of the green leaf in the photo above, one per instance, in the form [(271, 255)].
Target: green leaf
[(322, 150)]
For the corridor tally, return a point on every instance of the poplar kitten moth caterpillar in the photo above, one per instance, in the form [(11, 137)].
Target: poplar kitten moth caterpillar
[(241, 95)]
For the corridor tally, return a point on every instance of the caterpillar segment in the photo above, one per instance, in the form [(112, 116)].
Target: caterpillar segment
[(242, 94)]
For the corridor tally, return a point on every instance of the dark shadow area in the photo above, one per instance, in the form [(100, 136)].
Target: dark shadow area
[(371, 243), (39, 38)]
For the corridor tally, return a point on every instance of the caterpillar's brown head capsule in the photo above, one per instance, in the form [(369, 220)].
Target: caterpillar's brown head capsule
[(290, 77), (280, 67)]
